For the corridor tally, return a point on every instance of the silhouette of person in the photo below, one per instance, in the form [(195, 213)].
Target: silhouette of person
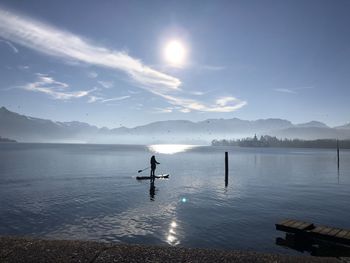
[(153, 166)]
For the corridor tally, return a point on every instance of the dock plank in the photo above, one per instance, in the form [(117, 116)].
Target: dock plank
[(326, 233), (334, 232), (297, 224), (331, 234), (285, 221), (326, 230), (302, 226), (293, 226), (342, 233), (291, 222), (306, 226), (317, 229)]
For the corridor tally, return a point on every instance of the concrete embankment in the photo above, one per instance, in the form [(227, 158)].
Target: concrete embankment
[(14, 249)]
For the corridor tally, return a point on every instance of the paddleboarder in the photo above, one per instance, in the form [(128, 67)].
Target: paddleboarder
[(153, 165)]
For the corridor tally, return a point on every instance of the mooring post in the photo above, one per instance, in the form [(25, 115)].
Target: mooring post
[(338, 153), (226, 168)]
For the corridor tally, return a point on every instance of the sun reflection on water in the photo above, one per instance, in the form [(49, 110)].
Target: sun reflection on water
[(172, 238), (170, 148)]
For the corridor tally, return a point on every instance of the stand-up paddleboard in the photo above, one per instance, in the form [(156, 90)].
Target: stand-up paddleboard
[(160, 176)]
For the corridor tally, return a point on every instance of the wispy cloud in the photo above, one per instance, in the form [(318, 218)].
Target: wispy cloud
[(92, 74), (116, 99), (133, 92), (224, 104), (106, 84), (69, 47), (211, 67), (55, 89), (93, 98), (285, 90), (198, 93), (293, 91), (15, 50), (52, 41), (163, 110), (23, 67)]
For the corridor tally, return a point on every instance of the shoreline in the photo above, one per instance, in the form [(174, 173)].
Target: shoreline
[(24, 249)]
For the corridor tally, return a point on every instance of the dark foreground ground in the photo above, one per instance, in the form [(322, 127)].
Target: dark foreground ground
[(13, 249)]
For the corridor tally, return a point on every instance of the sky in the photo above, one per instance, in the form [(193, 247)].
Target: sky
[(113, 63)]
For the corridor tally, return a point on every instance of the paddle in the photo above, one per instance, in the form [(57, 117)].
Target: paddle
[(139, 171)]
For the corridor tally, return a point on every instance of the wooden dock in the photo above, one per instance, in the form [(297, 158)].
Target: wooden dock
[(309, 230)]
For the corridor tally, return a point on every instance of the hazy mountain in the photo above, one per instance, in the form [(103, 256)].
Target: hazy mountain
[(310, 133), (28, 129), (346, 126), (315, 124)]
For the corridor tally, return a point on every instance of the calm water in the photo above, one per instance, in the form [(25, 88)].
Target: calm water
[(90, 192)]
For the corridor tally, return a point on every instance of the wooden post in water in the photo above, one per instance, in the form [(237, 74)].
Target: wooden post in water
[(226, 169), (338, 153)]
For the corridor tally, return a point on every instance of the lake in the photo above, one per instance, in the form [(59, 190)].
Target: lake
[(89, 192)]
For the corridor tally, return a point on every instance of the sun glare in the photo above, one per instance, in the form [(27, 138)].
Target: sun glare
[(175, 53), (169, 148)]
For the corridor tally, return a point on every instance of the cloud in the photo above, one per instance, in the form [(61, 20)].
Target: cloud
[(198, 93), (285, 90), (53, 88), (106, 84), (211, 67), (93, 98), (116, 99), (15, 50), (92, 74), (23, 67), (73, 48), (133, 92), (52, 41), (224, 104), (293, 91), (185, 110), (163, 110)]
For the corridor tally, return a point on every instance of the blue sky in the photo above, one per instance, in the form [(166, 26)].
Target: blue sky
[(103, 62)]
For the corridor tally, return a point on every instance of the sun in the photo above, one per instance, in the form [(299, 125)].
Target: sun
[(175, 53)]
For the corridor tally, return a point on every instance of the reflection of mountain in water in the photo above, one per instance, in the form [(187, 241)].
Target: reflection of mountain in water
[(29, 129)]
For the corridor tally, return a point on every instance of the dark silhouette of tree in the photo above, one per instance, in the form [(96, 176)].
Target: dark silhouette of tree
[(272, 141)]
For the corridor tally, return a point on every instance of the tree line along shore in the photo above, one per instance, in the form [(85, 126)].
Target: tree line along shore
[(6, 140), (272, 141)]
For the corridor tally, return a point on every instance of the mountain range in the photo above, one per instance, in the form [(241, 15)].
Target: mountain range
[(29, 129)]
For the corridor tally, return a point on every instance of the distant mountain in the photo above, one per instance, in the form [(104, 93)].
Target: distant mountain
[(315, 124), (346, 126), (28, 129), (310, 133)]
